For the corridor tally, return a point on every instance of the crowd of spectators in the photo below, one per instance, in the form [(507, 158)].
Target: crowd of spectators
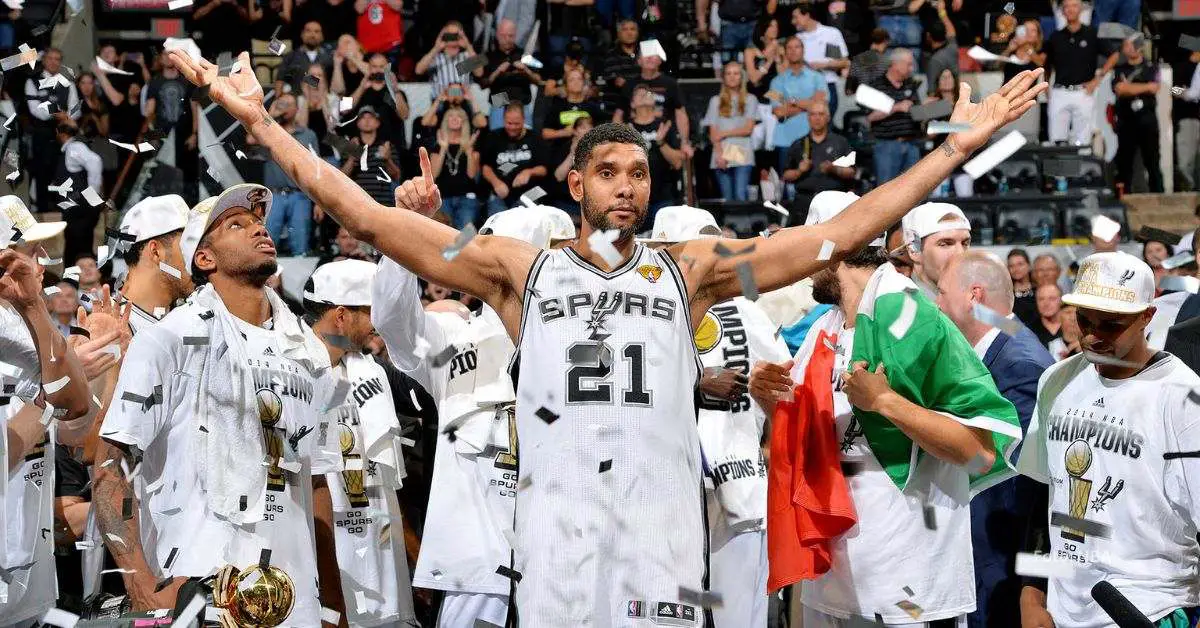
[(512, 85)]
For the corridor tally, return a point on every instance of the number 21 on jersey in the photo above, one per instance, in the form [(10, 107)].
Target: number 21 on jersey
[(588, 379)]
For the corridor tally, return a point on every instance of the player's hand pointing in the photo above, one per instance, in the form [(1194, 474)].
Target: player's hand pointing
[(420, 194)]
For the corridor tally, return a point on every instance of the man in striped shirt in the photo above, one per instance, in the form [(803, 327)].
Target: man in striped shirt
[(450, 48)]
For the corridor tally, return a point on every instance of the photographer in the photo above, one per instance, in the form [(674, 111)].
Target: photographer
[(373, 92), (441, 62)]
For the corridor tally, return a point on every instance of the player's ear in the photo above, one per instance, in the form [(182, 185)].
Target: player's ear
[(575, 184), (205, 260)]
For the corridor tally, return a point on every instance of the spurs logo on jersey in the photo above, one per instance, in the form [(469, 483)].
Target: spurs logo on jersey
[(853, 431)]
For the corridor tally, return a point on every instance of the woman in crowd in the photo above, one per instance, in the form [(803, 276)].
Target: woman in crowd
[(1048, 327), (93, 110), (562, 111), (1153, 253), (1026, 46), (1024, 304), (349, 66), (125, 119), (560, 195), (731, 117), (764, 57), (317, 107), (455, 167)]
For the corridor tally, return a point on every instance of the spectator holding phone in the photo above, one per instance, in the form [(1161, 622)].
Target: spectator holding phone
[(897, 135), (513, 160), (291, 206), (318, 108), (450, 48), (455, 165), (349, 67), (506, 74), (373, 92), (763, 57)]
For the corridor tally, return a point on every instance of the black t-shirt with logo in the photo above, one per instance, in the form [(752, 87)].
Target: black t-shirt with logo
[(1144, 72), (507, 157), (172, 102), (833, 147), (1072, 56), (899, 124), (664, 180)]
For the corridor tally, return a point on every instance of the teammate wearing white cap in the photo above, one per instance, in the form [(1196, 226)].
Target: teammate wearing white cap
[(463, 364), (610, 523), (733, 336), (40, 380), (364, 429), (155, 279), (935, 234), (907, 562), (1115, 436), (221, 404)]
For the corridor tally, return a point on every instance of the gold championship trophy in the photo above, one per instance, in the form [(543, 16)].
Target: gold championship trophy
[(270, 408), (356, 491), (507, 459), (259, 597), (1077, 460)]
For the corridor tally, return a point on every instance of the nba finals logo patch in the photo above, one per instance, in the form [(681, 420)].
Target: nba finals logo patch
[(650, 272), (708, 334)]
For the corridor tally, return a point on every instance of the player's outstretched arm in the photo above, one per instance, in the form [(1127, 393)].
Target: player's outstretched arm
[(488, 268), (792, 253)]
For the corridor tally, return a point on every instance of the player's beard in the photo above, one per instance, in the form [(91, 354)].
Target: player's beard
[(257, 275), (598, 218), (827, 288)]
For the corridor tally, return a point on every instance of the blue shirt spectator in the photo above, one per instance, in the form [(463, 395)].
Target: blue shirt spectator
[(790, 93)]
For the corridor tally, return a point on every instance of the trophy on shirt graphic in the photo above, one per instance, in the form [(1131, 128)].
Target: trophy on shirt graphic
[(261, 596), (270, 409), (1077, 460), (352, 474)]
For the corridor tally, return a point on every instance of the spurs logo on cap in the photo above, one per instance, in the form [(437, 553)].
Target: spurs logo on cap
[(1125, 277)]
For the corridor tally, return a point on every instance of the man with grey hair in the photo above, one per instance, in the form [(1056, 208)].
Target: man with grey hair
[(895, 131), (976, 293), (1047, 269)]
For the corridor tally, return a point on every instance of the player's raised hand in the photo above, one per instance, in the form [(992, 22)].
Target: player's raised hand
[(420, 194), (239, 92), (996, 110)]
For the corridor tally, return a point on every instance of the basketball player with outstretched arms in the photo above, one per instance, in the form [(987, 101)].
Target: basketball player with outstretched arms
[(609, 525)]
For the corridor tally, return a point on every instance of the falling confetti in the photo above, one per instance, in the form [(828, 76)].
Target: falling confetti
[(56, 385), (871, 98), (175, 5), (1105, 228), (1043, 566), (1090, 528), (991, 317), (826, 252), (993, 155), (846, 161), (170, 270), (464, 237), (602, 243), (938, 127)]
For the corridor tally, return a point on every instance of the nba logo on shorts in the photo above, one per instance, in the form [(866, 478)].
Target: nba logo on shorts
[(636, 609)]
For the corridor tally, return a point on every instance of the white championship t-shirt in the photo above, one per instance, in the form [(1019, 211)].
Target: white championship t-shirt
[(28, 546), (1104, 448), (474, 483), (181, 536), (369, 531), (734, 335), (891, 547)]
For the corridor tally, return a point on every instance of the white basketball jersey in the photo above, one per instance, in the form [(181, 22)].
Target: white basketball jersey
[(609, 517)]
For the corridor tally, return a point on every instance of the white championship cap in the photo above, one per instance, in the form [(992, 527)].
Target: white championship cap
[(153, 216), (825, 206), (347, 282), (14, 215), (540, 225), (1112, 282), (680, 223), (247, 195), (929, 218)]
